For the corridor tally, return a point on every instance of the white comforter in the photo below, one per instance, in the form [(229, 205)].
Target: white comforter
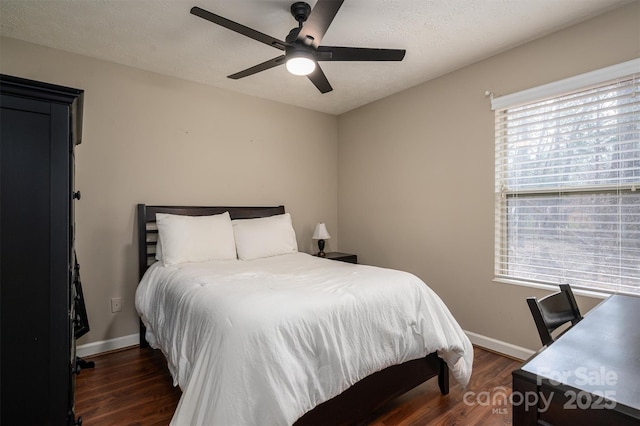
[(262, 342)]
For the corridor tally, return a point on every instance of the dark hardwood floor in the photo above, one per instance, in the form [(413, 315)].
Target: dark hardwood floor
[(134, 387)]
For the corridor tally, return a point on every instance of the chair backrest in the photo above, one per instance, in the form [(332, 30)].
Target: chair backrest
[(554, 310)]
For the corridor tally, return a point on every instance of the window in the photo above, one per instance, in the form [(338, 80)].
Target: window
[(567, 182)]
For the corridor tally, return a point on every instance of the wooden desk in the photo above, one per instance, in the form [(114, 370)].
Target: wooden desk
[(589, 376)]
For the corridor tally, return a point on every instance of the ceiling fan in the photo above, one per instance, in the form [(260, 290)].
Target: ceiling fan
[(302, 50)]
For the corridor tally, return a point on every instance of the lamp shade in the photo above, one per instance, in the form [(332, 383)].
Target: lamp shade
[(321, 232)]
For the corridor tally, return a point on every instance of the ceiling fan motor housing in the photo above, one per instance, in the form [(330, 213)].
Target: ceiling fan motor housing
[(299, 50)]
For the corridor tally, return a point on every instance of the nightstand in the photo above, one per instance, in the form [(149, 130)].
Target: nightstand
[(342, 257)]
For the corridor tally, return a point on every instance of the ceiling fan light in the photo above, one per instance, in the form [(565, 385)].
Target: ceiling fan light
[(300, 65)]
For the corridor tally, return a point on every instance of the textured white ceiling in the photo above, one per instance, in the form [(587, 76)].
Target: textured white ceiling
[(162, 36)]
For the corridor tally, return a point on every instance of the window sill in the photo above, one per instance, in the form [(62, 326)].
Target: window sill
[(551, 287)]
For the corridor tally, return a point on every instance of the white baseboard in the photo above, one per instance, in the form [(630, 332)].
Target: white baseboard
[(499, 346), (477, 339), (107, 345)]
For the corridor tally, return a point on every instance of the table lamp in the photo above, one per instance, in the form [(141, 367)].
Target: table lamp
[(321, 234)]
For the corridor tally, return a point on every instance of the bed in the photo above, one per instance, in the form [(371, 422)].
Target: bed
[(268, 350)]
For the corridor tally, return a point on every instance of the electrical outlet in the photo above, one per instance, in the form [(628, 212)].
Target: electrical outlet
[(116, 304)]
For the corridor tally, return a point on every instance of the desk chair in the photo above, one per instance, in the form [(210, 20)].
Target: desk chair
[(554, 310)]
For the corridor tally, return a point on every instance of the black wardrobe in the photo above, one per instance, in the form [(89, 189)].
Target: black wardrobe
[(40, 125)]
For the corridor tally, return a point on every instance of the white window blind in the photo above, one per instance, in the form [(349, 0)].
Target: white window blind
[(567, 176)]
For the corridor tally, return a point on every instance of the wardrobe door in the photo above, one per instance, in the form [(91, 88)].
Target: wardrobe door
[(34, 266)]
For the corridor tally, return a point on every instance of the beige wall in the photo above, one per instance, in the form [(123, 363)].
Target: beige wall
[(411, 179), (160, 140), (415, 172)]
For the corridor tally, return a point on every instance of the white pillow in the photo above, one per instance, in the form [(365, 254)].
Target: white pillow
[(195, 238), (264, 237), (158, 248)]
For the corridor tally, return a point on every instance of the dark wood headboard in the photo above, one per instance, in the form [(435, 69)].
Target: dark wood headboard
[(148, 231)]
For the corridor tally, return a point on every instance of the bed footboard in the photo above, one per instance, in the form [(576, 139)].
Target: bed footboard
[(358, 402)]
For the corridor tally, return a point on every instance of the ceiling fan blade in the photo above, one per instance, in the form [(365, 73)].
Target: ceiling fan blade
[(239, 28), (358, 54), (318, 22), (257, 68), (318, 78)]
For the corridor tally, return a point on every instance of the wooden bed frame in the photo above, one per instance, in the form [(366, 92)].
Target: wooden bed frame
[(354, 405)]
